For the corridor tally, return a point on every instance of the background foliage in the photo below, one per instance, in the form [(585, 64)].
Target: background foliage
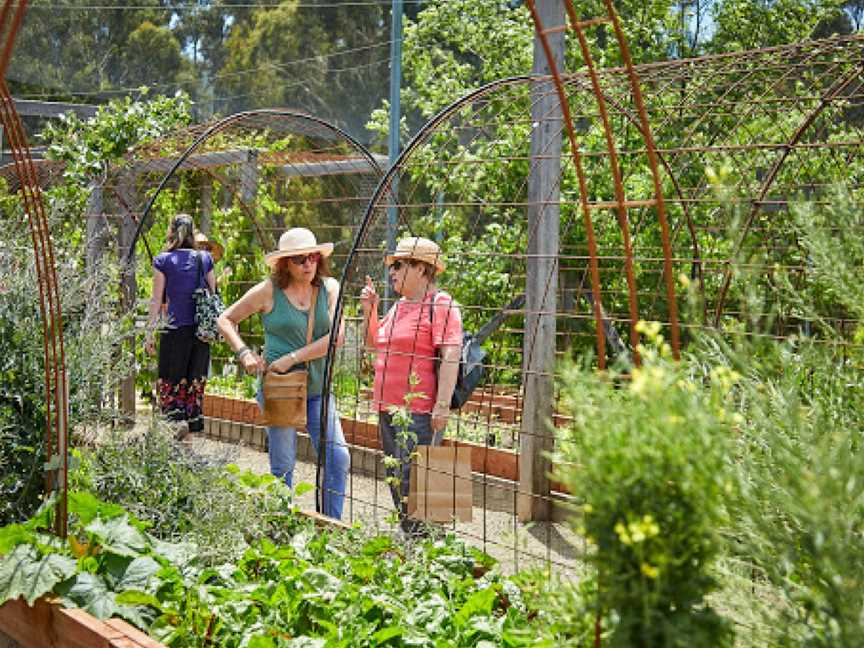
[(92, 334)]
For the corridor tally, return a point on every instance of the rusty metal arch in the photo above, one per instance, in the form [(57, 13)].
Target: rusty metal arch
[(424, 134), (56, 381), (825, 101), (622, 205)]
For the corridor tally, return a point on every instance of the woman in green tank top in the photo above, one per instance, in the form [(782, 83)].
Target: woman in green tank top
[(299, 269)]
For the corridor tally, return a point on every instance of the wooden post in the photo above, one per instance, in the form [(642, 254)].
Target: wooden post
[(128, 289), (97, 229), (206, 221), (541, 281), (249, 178)]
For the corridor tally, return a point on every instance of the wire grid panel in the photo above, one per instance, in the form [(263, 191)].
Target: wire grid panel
[(774, 126), (742, 137), (464, 182)]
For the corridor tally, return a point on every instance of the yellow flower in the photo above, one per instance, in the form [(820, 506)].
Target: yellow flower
[(639, 382), (649, 329), (623, 536), (649, 570), (650, 526)]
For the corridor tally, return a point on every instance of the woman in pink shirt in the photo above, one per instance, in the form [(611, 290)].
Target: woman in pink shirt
[(417, 346)]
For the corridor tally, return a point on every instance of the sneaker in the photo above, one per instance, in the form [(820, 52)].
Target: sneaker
[(180, 429), (414, 529)]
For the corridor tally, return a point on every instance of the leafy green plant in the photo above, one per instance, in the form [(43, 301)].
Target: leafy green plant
[(647, 456), (92, 366), (88, 146), (320, 588), (244, 386), (183, 495), (800, 511)]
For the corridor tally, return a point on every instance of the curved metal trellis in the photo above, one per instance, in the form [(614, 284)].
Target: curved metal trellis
[(464, 178), (56, 385), (270, 121), (621, 204)]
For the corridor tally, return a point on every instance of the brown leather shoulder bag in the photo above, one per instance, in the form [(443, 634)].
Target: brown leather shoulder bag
[(285, 393)]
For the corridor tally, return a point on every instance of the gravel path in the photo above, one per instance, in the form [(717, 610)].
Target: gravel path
[(515, 545)]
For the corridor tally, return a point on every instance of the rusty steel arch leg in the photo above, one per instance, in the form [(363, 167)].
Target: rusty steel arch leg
[(655, 174), (658, 202), (620, 206), (583, 183), (56, 386)]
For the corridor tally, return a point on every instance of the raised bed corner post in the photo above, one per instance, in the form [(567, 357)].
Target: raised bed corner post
[(56, 381), (541, 282)]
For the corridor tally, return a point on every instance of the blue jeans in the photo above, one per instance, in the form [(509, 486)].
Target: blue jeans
[(282, 448), (419, 432)]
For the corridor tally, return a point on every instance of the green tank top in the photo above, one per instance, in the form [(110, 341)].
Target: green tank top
[(285, 331)]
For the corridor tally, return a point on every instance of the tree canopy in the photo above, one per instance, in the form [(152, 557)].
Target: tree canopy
[(332, 59)]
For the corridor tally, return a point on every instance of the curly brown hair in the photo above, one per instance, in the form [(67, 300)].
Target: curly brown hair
[(282, 277)]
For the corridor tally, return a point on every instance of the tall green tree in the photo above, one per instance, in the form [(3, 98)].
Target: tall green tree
[(330, 61), (68, 48), (750, 24)]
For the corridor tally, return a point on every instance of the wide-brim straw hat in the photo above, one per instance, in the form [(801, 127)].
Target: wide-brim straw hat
[(419, 248), (203, 243), (296, 241)]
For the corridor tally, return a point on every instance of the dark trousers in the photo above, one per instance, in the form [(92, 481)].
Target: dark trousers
[(183, 364), (399, 444)]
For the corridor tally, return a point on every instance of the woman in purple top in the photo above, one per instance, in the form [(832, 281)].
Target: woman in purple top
[(183, 358)]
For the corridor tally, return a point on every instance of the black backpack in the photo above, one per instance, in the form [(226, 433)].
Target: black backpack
[(471, 369)]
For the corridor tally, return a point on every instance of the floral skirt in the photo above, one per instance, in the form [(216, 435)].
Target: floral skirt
[(183, 364)]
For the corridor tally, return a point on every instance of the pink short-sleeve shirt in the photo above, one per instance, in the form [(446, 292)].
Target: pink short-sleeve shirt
[(406, 343)]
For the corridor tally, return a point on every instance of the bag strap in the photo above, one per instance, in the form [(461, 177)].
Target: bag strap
[(311, 316), (432, 316), (498, 318), (200, 265), (494, 322), (202, 278)]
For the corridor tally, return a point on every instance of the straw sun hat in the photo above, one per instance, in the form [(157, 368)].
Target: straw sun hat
[(296, 241), (419, 248), (203, 243)]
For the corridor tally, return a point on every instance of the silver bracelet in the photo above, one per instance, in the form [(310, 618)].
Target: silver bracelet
[(241, 352)]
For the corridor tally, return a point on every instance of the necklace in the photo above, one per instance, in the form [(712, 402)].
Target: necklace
[(301, 301)]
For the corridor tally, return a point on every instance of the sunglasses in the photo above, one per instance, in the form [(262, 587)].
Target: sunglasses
[(300, 259), (397, 265)]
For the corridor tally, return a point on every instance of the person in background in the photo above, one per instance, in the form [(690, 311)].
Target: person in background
[(183, 359), (298, 268), (417, 346), (202, 242)]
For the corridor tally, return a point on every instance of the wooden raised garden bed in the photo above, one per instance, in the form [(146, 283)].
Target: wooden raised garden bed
[(244, 420), (48, 625)]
